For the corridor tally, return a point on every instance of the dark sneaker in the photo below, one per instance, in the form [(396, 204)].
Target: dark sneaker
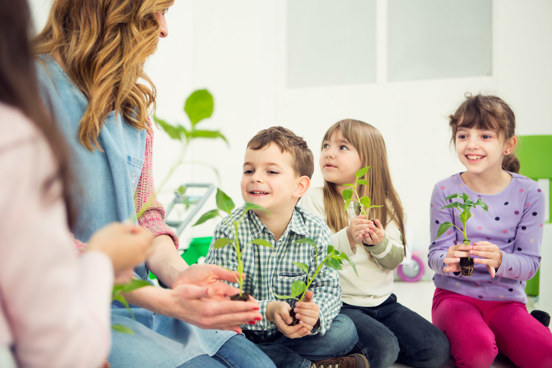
[(349, 361)]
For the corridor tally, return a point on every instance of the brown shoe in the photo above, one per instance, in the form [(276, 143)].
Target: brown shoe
[(349, 361)]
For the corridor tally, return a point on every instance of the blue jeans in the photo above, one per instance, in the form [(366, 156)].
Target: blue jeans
[(238, 352), (339, 339), (391, 332), (159, 341)]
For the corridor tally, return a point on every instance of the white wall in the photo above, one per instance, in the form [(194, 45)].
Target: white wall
[(236, 49)]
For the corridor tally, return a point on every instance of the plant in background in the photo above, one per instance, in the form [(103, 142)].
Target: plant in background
[(226, 205), (333, 259), (198, 106), (466, 263), (362, 204)]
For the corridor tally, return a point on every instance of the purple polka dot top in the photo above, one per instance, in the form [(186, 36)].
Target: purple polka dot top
[(514, 223)]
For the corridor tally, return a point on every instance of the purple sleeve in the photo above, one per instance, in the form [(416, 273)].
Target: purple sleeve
[(439, 247), (523, 261)]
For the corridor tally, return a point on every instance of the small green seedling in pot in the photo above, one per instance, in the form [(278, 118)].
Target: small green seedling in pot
[(226, 205), (333, 259), (466, 263), (362, 204)]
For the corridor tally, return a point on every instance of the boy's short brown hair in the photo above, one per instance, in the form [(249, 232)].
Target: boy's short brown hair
[(303, 161)]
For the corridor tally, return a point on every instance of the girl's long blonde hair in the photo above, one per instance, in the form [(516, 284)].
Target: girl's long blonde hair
[(370, 145), (103, 45)]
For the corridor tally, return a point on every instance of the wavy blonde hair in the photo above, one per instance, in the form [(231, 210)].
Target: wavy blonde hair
[(370, 145), (103, 45)]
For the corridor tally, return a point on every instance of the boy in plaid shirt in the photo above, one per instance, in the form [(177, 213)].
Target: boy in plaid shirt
[(277, 169)]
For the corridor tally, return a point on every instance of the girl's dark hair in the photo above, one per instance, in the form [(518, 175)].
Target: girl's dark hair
[(19, 87), (487, 112)]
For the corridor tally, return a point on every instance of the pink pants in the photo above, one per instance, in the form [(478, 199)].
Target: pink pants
[(478, 330)]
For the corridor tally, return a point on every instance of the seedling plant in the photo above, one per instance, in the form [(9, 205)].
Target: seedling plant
[(225, 204), (117, 295), (362, 204), (333, 259), (464, 207), (198, 106)]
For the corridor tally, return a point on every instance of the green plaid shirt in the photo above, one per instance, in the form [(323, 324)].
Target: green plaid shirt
[(269, 271)]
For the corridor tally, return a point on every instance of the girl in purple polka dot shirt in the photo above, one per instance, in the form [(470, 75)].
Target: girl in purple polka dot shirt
[(485, 313)]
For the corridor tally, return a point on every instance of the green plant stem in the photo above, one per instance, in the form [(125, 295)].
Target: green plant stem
[(362, 209), (312, 278), (238, 256)]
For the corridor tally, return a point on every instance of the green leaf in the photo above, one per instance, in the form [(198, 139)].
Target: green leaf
[(482, 204), (362, 182), (464, 216), (348, 185), (253, 206), (333, 263), (122, 329), (305, 240), (119, 298), (283, 296), (221, 243), (131, 285), (199, 105), (208, 134), (443, 228), (303, 267), (451, 205), (182, 189), (360, 173), (365, 201), (264, 243), (342, 255), (224, 202), (206, 216), (297, 288), (465, 197), (172, 131), (347, 195), (455, 195)]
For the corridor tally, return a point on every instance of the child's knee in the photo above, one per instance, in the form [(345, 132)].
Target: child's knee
[(341, 335), (475, 357)]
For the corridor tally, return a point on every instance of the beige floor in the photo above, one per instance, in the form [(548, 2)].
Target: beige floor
[(417, 296)]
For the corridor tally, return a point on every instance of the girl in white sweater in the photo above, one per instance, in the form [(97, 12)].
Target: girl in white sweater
[(388, 331)]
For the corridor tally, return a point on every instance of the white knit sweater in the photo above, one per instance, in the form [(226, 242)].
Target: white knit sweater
[(374, 264)]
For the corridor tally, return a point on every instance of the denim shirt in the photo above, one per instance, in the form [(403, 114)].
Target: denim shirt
[(106, 180)]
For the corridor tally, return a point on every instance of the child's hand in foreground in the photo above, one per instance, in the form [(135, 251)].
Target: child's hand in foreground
[(125, 244), (307, 312), (374, 234), (278, 312), (452, 259), (490, 254)]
